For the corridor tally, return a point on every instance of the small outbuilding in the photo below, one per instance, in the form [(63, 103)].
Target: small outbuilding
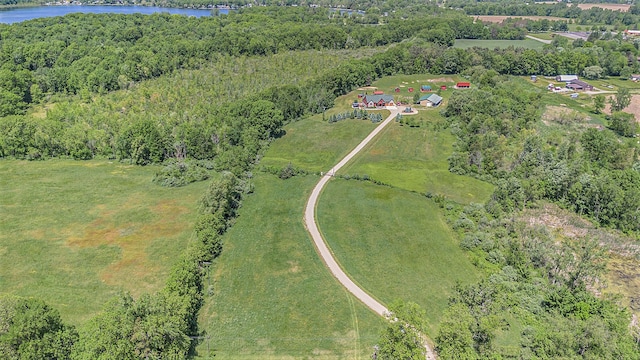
[(430, 100), (463, 85), (566, 78), (443, 87), (410, 89), (635, 77), (397, 90), (425, 88)]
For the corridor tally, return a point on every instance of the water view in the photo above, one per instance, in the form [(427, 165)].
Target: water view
[(9, 16)]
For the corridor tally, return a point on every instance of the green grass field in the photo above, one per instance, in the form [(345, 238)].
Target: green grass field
[(492, 44), (274, 299), (416, 159), (316, 145), (543, 35), (394, 243), (74, 233)]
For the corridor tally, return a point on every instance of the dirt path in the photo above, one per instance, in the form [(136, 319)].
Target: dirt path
[(538, 39), (321, 245)]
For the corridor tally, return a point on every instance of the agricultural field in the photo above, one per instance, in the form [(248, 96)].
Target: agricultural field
[(502, 44), (273, 297), (613, 7), (76, 233), (395, 244)]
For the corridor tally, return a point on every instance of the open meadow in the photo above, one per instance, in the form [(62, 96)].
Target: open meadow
[(395, 244), (75, 233), (415, 159), (273, 297)]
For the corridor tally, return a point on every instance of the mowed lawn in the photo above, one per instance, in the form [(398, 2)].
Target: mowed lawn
[(501, 44), (416, 159), (316, 145), (74, 233), (394, 243), (273, 297)]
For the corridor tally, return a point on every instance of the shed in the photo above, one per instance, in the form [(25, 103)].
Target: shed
[(410, 89), (425, 88), (463, 85), (443, 87), (397, 90), (635, 77), (566, 78), (430, 100)]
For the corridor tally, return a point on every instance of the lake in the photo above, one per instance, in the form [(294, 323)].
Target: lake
[(8, 16)]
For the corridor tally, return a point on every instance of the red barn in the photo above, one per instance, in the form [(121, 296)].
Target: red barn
[(463, 85)]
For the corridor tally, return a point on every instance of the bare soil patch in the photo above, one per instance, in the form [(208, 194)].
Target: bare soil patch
[(500, 18), (614, 7), (441, 80), (633, 108)]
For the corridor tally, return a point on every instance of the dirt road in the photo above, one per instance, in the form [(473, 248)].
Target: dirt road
[(321, 246)]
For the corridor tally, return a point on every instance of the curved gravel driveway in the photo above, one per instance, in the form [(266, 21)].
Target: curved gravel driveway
[(321, 245)]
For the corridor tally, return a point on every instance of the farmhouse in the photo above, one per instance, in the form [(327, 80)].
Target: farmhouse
[(566, 78), (430, 100), (576, 85), (372, 101), (425, 88), (463, 85)]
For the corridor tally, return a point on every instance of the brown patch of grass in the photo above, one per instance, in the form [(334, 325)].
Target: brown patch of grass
[(562, 115), (133, 238)]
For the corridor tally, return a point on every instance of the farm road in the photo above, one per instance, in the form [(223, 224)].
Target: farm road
[(321, 245)]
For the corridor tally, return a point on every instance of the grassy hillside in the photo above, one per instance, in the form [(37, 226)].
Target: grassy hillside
[(394, 243), (75, 233), (316, 145), (416, 159), (273, 296)]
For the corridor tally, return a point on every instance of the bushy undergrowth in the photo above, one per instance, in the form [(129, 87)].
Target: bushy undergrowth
[(176, 173)]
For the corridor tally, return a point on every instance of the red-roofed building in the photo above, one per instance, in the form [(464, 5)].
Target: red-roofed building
[(463, 85)]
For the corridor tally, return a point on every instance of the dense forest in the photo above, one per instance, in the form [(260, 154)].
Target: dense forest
[(147, 89)]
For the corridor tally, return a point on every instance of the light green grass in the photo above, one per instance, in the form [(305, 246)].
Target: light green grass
[(316, 145), (75, 233), (543, 36), (394, 243), (416, 159), (501, 44), (274, 298)]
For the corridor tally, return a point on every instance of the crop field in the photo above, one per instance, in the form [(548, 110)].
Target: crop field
[(501, 44), (75, 233), (394, 243), (613, 7), (273, 297), (415, 159)]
